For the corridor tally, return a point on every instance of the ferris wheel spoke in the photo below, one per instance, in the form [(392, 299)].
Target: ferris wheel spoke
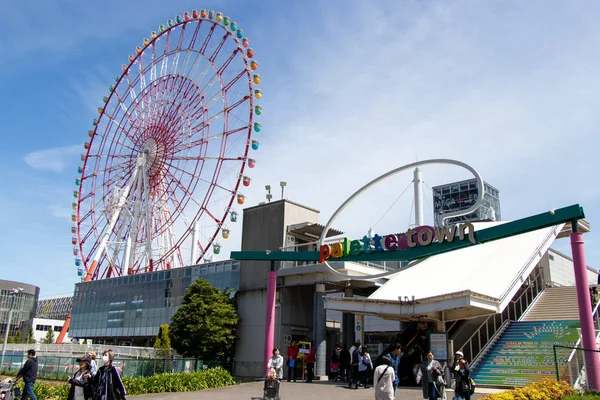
[(153, 63), (109, 169), (125, 131), (207, 39), (202, 179), (165, 58), (131, 119)]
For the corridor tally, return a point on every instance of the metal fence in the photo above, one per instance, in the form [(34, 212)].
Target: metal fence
[(65, 350), (60, 368), (571, 364)]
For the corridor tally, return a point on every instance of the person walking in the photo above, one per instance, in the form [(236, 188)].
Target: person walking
[(107, 380), (463, 381), (292, 359), (276, 363), (383, 380), (81, 387), (431, 378), (345, 361), (395, 357), (354, 363), (29, 374), (365, 366)]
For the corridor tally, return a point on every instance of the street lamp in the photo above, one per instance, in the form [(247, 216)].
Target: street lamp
[(12, 293)]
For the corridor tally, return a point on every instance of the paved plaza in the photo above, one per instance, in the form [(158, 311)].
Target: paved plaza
[(290, 391)]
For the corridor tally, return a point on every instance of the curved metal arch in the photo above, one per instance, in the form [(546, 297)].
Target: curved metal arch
[(390, 174)]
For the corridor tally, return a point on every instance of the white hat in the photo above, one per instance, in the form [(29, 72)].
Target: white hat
[(459, 353)]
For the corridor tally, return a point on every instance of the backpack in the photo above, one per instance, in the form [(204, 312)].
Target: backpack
[(472, 384)]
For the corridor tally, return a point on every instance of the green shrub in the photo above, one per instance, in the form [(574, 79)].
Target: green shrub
[(544, 390), (161, 383), (587, 396)]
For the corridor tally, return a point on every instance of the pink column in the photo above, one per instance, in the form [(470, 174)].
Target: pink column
[(270, 320), (588, 335)]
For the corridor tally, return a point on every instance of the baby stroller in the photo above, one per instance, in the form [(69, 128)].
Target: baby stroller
[(8, 390), (271, 389), (335, 371)]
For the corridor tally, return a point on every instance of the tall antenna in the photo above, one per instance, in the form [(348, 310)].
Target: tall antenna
[(418, 189)]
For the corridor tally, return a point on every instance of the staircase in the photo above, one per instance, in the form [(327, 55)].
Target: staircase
[(555, 303), (524, 353)]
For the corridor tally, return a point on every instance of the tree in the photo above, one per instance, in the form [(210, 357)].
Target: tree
[(204, 325), (30, 339), (163, 341), (18, 338), (49, 339)]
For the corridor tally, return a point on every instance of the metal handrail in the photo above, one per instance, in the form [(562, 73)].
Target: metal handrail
[(532, 257), (535, 299), (514, 302), (500, 330), (594, 313)]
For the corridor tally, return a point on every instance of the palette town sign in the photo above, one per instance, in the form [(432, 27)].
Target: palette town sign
[(419, 236)]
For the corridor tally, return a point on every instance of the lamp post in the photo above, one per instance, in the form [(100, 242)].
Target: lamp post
[(12, 293)]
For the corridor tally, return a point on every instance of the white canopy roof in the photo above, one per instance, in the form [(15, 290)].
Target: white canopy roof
[(492, 271)]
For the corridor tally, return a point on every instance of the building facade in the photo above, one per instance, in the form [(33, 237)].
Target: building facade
[(23, 306), (462, 195), (129, 310)]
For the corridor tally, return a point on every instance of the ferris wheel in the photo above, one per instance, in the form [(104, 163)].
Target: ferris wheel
[(166, 156)]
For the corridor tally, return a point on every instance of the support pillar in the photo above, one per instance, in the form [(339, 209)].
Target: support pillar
[(588, 336), (270, 315), (320, 332), (348, 324), (359, 329)]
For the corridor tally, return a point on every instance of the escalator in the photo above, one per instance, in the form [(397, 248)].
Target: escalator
[(415, 345)]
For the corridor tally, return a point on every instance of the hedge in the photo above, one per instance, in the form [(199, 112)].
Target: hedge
[(544, 390), (161, 383)]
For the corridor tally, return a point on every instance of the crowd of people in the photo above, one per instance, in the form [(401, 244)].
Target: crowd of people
[(355, 367), (87, 383)]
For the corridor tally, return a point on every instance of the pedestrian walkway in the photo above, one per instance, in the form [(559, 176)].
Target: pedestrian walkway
[(290, 391)]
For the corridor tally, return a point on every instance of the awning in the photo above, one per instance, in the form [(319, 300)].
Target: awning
[(311, 231)]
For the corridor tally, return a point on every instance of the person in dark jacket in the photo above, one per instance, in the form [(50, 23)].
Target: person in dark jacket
[(345, 363), (463, 382), (29, 375), (356, 350), (108, 381), (81, 386)]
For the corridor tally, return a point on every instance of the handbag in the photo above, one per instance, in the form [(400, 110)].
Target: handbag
[(292, 363), (472, 386)]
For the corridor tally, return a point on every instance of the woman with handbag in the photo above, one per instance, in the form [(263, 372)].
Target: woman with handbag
[(430, 376), (383, 380), (365, 366), (81, 385)]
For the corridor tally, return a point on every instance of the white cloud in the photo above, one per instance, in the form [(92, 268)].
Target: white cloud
[(54, 159), (60, 211)]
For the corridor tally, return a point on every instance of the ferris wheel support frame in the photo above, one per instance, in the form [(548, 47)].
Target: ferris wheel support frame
[(111, 225)]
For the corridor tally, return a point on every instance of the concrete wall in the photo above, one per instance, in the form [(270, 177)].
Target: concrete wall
[(558, 269), (264, 228), (250, 333)]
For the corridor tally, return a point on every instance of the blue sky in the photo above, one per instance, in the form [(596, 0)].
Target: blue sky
[(352, 89)]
